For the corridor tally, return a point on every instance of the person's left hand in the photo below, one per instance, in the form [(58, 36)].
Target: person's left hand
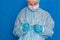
[(38, 28)]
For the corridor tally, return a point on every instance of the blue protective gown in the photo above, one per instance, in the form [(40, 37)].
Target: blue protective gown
[(40, 17)]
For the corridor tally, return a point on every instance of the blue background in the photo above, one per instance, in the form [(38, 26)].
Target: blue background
[(9, 10)]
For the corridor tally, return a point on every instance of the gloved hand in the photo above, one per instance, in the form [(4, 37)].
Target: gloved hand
[(25, 27), (38, 28)]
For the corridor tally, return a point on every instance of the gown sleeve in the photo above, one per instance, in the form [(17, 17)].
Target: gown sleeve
[(49, 26), (17, 31)]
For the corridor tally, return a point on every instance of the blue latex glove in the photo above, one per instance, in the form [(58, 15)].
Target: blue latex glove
[(38, 28), (25, 27)]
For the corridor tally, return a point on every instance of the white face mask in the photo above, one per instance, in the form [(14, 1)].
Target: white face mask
[(33, 8)]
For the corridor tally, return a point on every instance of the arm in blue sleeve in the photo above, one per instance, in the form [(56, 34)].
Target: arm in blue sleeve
[(49, 26), (17, 28), (18, 24)]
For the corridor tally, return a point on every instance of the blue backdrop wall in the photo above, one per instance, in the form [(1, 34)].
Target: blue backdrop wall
[(9, 10)]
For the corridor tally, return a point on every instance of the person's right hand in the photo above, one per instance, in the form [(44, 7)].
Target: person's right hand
[(25, 27)]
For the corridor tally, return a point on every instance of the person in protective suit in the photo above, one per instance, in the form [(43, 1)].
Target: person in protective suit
[(33, 23)]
